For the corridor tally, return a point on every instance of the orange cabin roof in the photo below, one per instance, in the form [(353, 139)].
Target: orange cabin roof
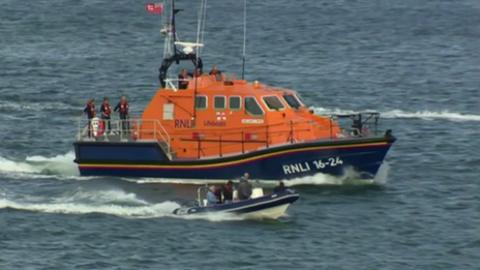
[(231, 117)]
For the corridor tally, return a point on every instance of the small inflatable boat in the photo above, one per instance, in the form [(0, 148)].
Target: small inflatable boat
[(259, 206)]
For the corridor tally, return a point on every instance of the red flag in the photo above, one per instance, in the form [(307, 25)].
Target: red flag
[(154, 8)]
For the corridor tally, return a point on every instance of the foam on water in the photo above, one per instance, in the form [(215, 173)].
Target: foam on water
[(60, 165), (109, 202), (425, 115), (349, 178), (63, 167), (146, 211), (9, 106), (429, 115)]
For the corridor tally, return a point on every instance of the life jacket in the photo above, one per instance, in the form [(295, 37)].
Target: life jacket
[(123, 108), (90, 110), (106, 109), (134, 135)]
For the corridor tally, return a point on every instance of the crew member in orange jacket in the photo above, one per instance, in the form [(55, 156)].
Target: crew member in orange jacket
[(122, 108), (106, 110)]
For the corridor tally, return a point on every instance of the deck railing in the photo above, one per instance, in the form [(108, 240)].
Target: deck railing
[(218, 142), (266, 136), (128, 130)]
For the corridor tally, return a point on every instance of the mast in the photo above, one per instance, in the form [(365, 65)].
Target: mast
[(244, 37), (174, 30), (172, 52), (202, 14)]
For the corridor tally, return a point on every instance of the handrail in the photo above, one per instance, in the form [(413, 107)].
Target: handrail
[(132, 129), (264, 133), (170, 84), (270, 135), (165, 138)]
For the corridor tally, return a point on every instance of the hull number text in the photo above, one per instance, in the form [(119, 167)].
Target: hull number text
[(308, 166)]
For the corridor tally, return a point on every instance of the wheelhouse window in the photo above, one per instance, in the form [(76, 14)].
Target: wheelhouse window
[(235, 103), (219, 103), (273, 103), (252, 107), (292, 101), (201, 102)]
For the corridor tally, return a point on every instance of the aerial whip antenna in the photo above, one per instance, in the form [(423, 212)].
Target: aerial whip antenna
[(244, 37), (200, 33)]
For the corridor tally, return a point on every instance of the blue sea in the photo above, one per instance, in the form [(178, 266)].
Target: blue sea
[(416, 62)]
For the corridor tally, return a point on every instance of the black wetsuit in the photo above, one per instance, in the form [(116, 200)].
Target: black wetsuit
[(227, 192), (90, 111)]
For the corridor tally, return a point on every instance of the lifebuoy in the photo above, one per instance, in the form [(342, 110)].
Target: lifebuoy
[(134, 134), (98, 127)]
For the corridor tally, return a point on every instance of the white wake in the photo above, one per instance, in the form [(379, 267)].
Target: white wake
[(110, 202), (60, 165), (349, 178), (400, 114)]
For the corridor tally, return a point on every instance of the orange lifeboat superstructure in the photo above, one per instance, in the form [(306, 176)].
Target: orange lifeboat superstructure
[(232, 117)]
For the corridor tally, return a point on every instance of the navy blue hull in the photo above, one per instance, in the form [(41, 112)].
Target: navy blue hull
[(363, 156), (246, 206)]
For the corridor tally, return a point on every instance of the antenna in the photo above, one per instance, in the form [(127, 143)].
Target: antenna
[(174, 30), (202, 14), (244, 36)]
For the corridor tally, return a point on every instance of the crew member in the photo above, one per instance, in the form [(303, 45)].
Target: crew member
[(212, 199), (106, 110), (90, 111), (122, 108), (216, 72), (280, 188), (218, 193), (227, 192), (198, 72), (244, 188), (183, 78), (357, 125)]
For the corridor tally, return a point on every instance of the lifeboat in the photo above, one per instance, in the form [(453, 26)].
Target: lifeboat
[(211, 126)]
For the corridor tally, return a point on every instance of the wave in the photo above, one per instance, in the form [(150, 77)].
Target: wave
[(428, 115), (108, 202), (146, 211), (60, 165), (349, 178), (37, 106), (63, 167), (400, 114)]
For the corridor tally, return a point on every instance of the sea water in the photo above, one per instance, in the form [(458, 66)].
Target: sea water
[(416, 62)]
